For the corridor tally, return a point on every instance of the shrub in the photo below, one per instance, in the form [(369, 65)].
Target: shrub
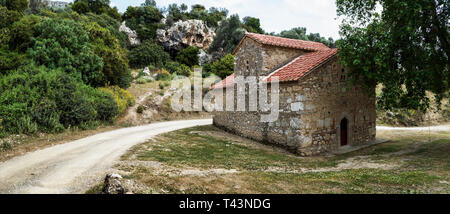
[(184, 70), (22, 31), (224, 67), (122, 97), (140, 109), (148, 53), (188, 56), (38, 99), (16, 5), (172, 66), (163, 74), (115, 61), (6, 146), (144, 20), (65, 44)]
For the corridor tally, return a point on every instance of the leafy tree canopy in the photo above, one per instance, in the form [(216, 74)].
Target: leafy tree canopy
[(406, 48), (97, 7), (188, 56), (300, 33), (62, 43), (251, 24), (228, 35), (16, 5), (224, 67), (148, 54), (144, 20)]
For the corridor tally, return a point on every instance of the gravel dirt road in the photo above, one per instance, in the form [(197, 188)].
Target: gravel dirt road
[(76, 166)]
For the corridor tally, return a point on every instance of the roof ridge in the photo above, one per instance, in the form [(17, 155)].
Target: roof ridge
[(279, 37)]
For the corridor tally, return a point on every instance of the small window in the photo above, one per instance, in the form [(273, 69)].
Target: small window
[(248, 67), (343, 76)]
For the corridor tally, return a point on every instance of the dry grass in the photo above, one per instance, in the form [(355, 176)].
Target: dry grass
[(208, 160)]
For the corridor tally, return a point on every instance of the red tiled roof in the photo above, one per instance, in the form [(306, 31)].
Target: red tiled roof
[(292, 71), (295, 69), (301, 65), (285, 42), (224, 83)]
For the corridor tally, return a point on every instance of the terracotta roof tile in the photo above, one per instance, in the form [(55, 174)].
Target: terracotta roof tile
[(301, 65), (288, 43), (224, 83), (292, 71)]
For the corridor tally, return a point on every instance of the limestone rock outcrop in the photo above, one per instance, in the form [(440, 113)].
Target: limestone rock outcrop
[(186, 33), (132, 35)]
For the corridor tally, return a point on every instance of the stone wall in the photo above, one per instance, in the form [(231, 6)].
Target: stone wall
[(311, 109)]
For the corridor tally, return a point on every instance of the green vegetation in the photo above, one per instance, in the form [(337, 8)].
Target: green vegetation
[(406, 48), (148, 54), (144, 20), (224, 67), (211, 17), (300, 33), (228, 35), (188, 56), (51, 65), (40, 99)]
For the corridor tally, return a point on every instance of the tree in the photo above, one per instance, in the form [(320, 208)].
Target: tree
[(144, 20), (300, 33), (149, 3), (146, 54), (62, 43), (21, 33), (188, 56), (114, 56), (80, 7), (224, 67), (36, 5), (406, 48), (252, 25), (228, 35), (16, 5)]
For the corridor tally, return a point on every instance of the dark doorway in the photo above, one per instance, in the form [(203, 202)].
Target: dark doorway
[(344, 132)]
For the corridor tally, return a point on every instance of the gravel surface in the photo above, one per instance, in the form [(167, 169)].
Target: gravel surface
[(75, 166)]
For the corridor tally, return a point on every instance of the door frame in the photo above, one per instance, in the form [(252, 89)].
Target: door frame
[(349, 129)]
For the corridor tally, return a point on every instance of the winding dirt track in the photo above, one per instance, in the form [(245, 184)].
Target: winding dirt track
[(73, 167)]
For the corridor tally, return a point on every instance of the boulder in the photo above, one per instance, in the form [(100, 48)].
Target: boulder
[(132, 35), (113, 184), (186, 33), (146, 71), (204, 57)]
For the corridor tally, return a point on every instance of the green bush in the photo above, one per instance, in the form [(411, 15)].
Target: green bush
[(148, 53), (64, 44), (184, 70), (224, 67), (22, 31), (172, 66), (163, 74), (39, 99), (16, 5), (6, 146), (115, 62), (188, 56), (144, 20), (140, 109), (122, 98)]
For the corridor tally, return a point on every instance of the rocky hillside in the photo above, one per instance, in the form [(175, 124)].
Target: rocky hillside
[(186, 33)]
